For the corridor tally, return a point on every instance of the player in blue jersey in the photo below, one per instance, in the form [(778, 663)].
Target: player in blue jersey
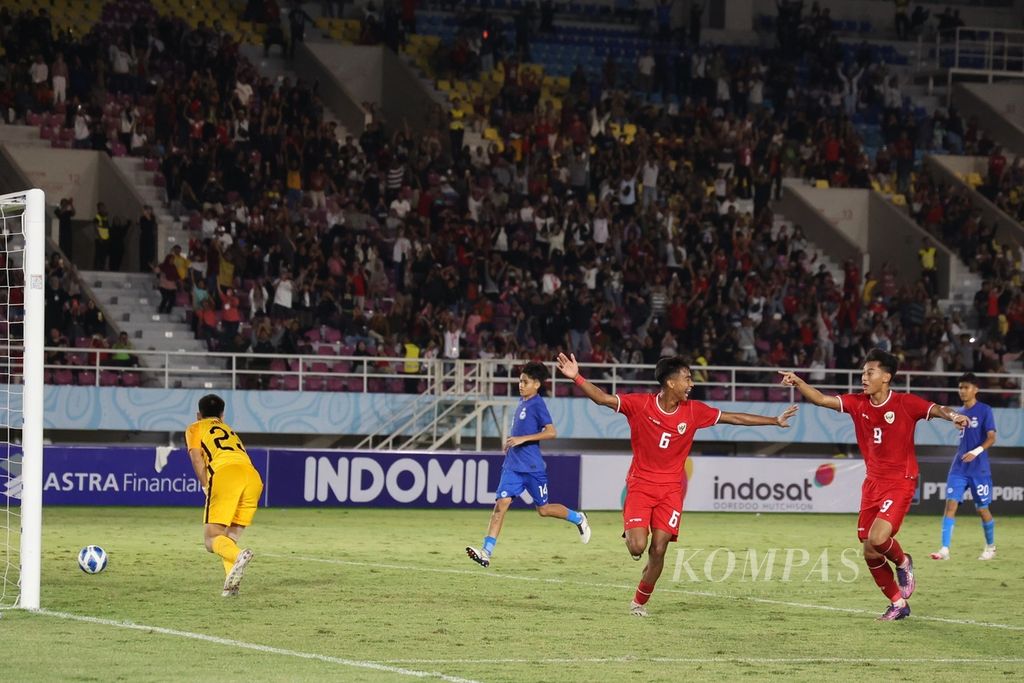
[(524, 469), (970, 470)]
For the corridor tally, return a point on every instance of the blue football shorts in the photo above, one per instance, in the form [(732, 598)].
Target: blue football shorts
[(513, 484), (980, 488)]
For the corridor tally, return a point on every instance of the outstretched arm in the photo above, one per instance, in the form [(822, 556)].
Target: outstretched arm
[(751, 420), (568, 366), (945, 413), (790, 379)]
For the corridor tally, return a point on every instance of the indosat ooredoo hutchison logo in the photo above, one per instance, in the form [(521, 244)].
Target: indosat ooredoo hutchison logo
[(765, 488), (773, 493)]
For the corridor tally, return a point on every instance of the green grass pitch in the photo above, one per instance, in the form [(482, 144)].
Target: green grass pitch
[(389, 595)]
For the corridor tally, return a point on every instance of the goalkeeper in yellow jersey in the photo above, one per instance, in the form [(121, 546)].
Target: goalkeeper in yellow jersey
[(232, 485)]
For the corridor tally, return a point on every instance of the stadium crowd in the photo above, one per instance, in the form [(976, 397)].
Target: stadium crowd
[(609, 227)]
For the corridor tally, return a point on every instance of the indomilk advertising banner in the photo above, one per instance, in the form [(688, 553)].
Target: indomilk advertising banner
[(368, 479), (136, 476), (738, 484)]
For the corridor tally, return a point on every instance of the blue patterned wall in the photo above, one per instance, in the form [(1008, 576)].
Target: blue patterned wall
[(345, 413)]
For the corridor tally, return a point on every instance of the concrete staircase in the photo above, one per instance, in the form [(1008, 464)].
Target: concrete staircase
[(816, 254), (169, 231), (22, 136), (130, 301), (275, 66), (963, 285)]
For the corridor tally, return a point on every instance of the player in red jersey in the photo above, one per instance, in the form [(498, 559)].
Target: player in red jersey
[(884, 422), (662, 428)]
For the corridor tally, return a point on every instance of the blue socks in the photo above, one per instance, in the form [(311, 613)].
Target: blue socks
[(490, 541), (990, 531), (947, 530)]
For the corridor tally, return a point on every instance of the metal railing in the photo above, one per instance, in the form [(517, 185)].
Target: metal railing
[(985, 52), (480, 378)]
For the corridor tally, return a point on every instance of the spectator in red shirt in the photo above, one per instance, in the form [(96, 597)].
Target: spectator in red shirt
[(996, 166)]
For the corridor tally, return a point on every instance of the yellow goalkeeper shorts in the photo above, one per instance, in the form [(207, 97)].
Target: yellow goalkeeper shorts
[(233, 495)]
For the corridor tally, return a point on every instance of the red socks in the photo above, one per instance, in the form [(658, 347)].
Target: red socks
[(884, 578), (892, 551), (643, 593)]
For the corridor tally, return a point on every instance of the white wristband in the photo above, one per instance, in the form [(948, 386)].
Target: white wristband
[(976, 451)]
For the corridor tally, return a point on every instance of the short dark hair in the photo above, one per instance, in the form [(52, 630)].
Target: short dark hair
[(669, 366), (536, 370), (885, 360), (969, 378), (211, 405)]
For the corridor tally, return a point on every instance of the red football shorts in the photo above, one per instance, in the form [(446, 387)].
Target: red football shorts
[(884, 499), (653, 506)]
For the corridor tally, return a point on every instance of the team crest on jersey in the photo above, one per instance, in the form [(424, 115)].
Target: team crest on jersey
[(890, 417), (522, 415), (974, 422), (681, 428)]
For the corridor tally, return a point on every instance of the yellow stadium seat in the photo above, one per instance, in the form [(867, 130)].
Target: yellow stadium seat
[(899, 200), (875, 186), (974, 179), (821, 184)]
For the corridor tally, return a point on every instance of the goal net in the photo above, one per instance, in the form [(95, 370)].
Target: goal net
[(22, 302)]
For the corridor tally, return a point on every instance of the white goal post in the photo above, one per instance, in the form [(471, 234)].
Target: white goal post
[(23, 249)]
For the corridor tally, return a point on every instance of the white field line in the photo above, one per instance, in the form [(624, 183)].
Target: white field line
[(718, 660), (484, 573), (242, 645)]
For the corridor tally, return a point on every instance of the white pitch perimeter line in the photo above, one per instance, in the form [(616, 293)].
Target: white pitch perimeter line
[(267, 649), (704, 594), (716, 660)]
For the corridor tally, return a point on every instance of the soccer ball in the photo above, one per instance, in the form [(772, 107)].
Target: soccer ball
[(92, 559)]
